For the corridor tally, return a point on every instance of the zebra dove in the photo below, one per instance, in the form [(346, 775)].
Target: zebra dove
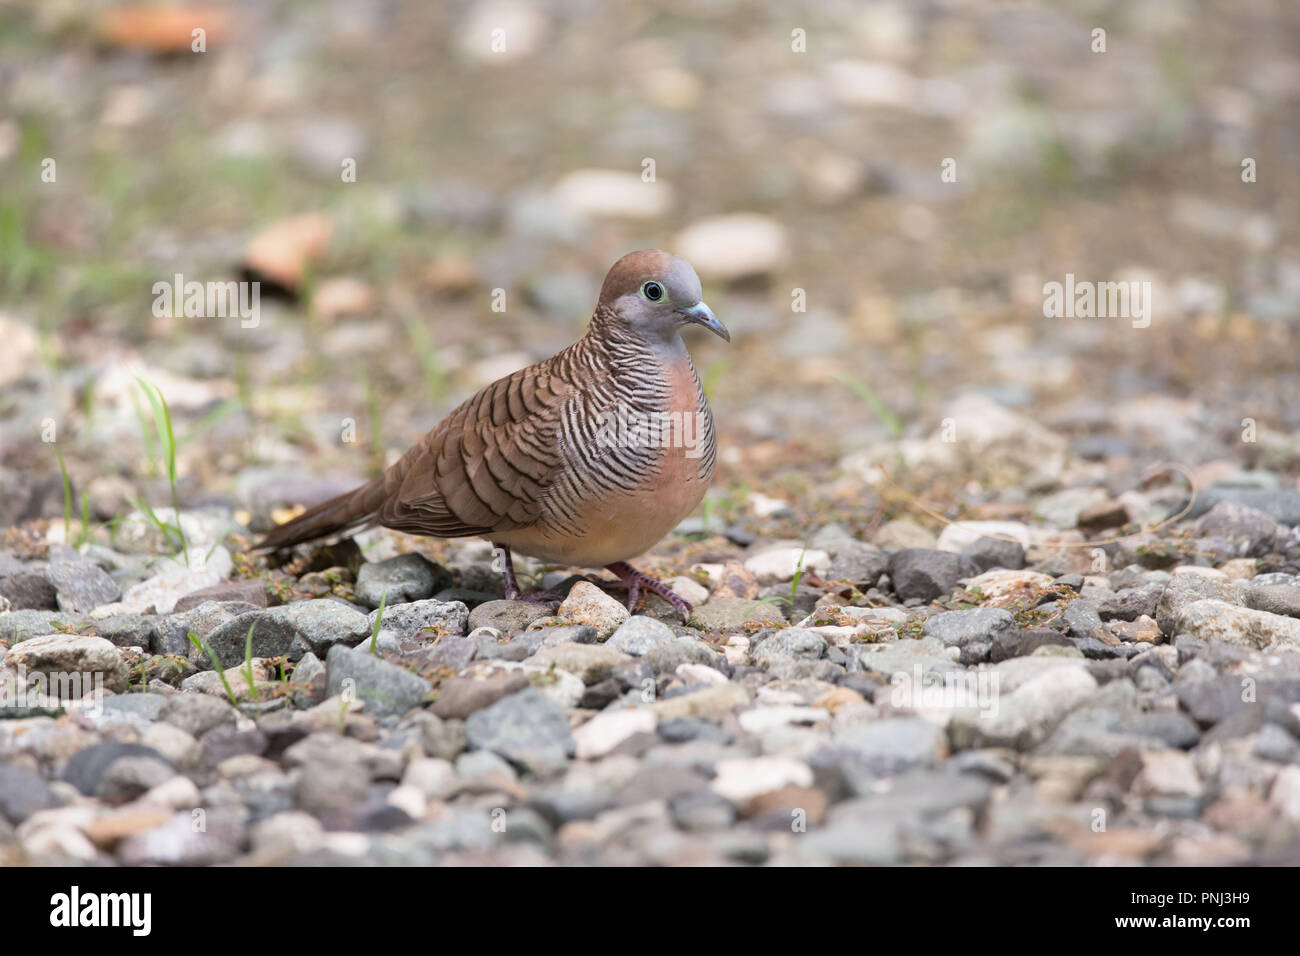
[(588, 458)]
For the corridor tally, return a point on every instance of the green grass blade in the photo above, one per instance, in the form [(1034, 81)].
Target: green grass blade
[(216, 665), (67, 495), (379, 617), (798, 574), (248, 662), (162, 419)]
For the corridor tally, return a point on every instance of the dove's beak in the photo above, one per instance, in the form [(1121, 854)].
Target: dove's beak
[(701, 314)]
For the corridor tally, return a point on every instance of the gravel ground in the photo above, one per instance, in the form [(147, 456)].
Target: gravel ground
[(1003, 692)]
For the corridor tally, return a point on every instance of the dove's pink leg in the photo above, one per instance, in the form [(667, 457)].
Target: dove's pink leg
[(637, 581)]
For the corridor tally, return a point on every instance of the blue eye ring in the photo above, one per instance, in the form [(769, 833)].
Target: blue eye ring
[(653, 291)]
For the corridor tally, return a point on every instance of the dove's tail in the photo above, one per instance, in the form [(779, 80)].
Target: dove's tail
[(348, 512)]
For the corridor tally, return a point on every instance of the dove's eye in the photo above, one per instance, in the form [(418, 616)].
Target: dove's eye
[(652, 291)]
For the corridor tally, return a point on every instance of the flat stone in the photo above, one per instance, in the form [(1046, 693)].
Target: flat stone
[(764, 720), (794, 642), (900, 534), (733, 614), (1101, 730), (1081, 618), (1167, 773), (568, 634), (210, 681), (316, 626), (205, 618), (986, 554), (1131, 603), (28, 589), (925, 574), (178, 843), (16, 626), (448, 653), (23, 793), (460, 697), (959, 628), (508, 617), (199, 568), (248, 591), (1172, 727), (129, 630), (640, 635), (1028, 714), (416, 620), (591, 663), (1141, 631), (196, 714), (1062, 508), (407, 577), (600, 735), (925, 657), (782, 564), (743, 779), (388, 690), (731, 580), (667, 658), (734, 246), (1281, 504), (854, 844), (961, 535), (1211, 620), (864, 752), (271, 637), (1250, 533), (140, 710), (590, 606), (1021, 643), (1183, 590), (58, 655), (80, 585), (172, 742), (128, 778), (87, 768), (698, 810), (711, 703), (1102, 516), (109, 829), (857, 562), (688, 589), (368, 760), (526, 729), (1215, 699), (1274, 743), (1275, 599), (1003, 587)]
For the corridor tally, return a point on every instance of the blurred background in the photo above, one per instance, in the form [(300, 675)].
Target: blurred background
[(874, 194)]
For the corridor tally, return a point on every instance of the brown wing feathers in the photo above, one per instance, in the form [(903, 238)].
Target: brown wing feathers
[(485, 468)]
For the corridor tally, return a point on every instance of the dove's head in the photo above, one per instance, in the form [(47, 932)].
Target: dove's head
[(657, 293)]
